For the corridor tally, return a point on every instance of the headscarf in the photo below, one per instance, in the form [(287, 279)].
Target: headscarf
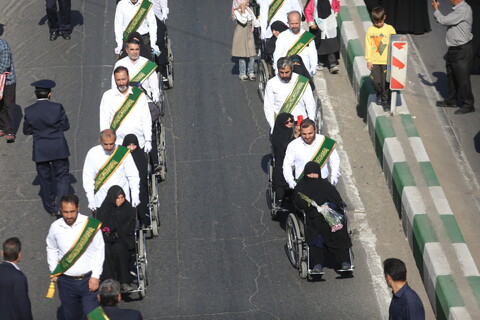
[(301, 69), (235, 6), (137, 154), (324, 9), (282, 135), (278, 26)]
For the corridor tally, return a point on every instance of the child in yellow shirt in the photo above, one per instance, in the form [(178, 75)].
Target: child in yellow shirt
[(377, 41)]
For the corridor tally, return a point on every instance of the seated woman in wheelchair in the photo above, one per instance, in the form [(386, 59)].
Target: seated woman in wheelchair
[(277, 27), (318, 232), (118, 228), (284, 131)]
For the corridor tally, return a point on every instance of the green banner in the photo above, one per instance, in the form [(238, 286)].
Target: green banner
[(125, 108), (109, 167), (300, 44), (98, 314), (86, 236), (137, 19), (275, 5), (295, 95), (144, 72), (322, 154)]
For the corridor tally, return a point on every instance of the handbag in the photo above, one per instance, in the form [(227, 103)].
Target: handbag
[(3, 78)]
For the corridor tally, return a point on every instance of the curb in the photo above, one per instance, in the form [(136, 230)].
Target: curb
[(423, 238)]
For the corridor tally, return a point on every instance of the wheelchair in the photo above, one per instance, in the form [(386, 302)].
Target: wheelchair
[(264, 64), (153, 203), (271, 193), (168, 80), (298, 250), (141, 263)]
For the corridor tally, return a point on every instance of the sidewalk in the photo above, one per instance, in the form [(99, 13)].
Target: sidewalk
[(449, 273)]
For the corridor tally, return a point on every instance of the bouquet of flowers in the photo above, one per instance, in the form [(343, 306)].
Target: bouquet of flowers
[(333, 218)]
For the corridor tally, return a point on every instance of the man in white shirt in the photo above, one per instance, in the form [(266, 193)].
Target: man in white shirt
[(288, 38), (125, 173), (307, 147), (78, 284), (134, 116), (280, 87), (125, 12), (279, 12)]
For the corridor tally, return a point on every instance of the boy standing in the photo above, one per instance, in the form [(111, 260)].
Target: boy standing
[(377, 41)]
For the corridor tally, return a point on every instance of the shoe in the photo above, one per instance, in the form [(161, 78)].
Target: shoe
[(346, 266), (252, 77), (243, 77), (334, 69), (53, 36), (445, 104), (126, 287), (10, 138), (2, 133), (386, 108), (464, 110), (379, 101), (319, 67), (66, 36), (317, 268)]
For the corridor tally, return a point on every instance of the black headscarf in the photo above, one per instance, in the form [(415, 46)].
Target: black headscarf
[(144, 49), (301, 69), (281, 135), (120, 220), (278, 26), (137, 154), (324, 9)]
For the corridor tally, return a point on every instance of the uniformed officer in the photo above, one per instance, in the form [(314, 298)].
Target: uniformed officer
[(47, 121)]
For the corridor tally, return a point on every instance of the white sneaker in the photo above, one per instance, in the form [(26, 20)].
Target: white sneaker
[(334, 69), (252, 77), (319, 67), (243, 77)]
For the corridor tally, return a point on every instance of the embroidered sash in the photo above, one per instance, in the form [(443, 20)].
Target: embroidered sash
[(300, 44), (145, 71), (322, 154), (127, 106), (110, 166), (98, 314), (138, 18), (273, 8), (295, 95)]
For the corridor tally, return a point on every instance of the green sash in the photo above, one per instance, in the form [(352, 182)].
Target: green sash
[(144, 72), (97, 314), (295, 95), (109, 167), (84, 239), (275, 5), (300, 44), (127, 106), (138, 18), (322, 154)]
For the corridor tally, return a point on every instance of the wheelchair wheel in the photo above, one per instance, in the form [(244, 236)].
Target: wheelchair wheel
[(303, 271), (263, 77), (319, 117), (294, 246), (271, 191), (169, 66), (162, 152), (154, 205), (142, 263)]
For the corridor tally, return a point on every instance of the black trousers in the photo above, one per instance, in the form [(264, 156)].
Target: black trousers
[(63, 24), (378, 75), (77, 300), (162, 59), (54, 182), (7, 109), (116, 264), (459, 64)]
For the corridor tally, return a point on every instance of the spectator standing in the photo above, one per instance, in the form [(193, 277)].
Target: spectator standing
[(59, 27), (377, 41), (406, 303), (459, 58), (407, 16), (475, 5), (7, 103), (14, 300)]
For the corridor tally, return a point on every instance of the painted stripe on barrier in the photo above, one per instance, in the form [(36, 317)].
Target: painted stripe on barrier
[(360, 71), (409, 125), (363, 13), (343, 16), (366, 25), (413, 205), (401, 177), (474, 282), (466, 260), (439, 200), (383, 129), (359, 2), (354, 49), (435, 264), (451, 227), (418, 149), (458, 313), (447, 296), (392, 152), (428, 173)]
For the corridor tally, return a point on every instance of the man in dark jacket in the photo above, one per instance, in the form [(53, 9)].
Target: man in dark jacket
[(14, 301), (47, 121)]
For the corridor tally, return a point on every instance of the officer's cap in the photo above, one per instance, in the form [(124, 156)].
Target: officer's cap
[(44, 84)]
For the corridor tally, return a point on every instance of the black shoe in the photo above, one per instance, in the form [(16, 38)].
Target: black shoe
[(379, 101), (464, 110), (346, 266), (66, 36), (53, 36), (317, 268), (445, 104)]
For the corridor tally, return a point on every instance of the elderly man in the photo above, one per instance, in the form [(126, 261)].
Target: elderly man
[(296, 41), (125, 110), (135, 15), (459, 56), (107, 165), (288, 92), (273, 10), (310, 146)]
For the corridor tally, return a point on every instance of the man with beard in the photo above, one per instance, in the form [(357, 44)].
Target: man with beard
[(296, 41), (106, 165), (125, 110), (288, 92)]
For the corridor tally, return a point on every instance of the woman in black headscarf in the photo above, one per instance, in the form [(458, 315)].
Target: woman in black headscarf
[(283, 133), (144, 49), (299, 67), (118, 228), (131, 142), (318, 232), (277, 28)]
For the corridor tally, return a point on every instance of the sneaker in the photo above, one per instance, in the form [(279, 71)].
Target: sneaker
[(334, 69), (243, 77), (317, 268), (10, 138), (252, 77), (319, 67), (346, 266)]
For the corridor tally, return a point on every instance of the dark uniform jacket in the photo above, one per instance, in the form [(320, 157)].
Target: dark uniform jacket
[(115, 313), (47, 121), (14, 301)]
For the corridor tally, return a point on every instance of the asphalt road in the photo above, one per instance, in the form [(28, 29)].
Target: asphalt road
[(219, 256)]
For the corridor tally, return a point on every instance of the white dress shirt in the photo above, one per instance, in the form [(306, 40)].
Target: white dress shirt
[(285, 41), (61, 238), (126, 10), (150, 84), (299, 153), (281, 15), (138, 121), (277, 91), (125, 176), (160, 8)]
